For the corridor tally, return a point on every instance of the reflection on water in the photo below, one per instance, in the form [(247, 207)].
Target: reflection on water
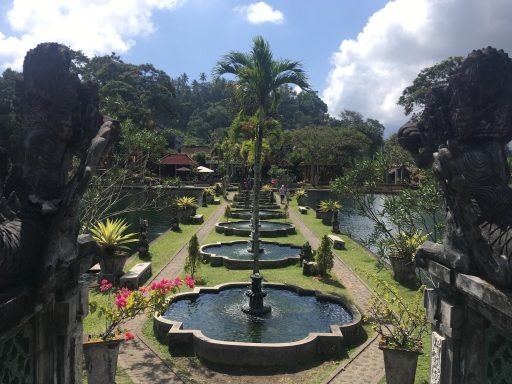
[(293, 317)]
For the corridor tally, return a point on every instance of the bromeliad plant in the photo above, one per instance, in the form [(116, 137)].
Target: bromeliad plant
[(401, 324), (266, 188), (124, 304), (329, 206), (111, 236), (186, 202), (403, 246), (300, 194)]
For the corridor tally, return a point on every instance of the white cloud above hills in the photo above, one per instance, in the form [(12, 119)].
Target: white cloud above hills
[(369, 72)]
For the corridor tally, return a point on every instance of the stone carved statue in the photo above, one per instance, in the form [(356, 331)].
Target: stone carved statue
[(463, 132)]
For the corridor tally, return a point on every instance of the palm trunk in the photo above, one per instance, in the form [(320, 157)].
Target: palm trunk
[(256, 191)]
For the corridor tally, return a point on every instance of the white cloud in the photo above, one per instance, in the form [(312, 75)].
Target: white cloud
[(260, 12), (370, 72), (93, 26)]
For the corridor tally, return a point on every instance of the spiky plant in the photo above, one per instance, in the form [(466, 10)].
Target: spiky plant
[(329, 205), (300, 193), (111, 235), (186, 202), (266, 188)]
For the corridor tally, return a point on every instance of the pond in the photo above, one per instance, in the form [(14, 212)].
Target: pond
[(293, 316)]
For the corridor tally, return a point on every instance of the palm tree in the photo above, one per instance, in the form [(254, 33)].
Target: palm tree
[(260, 77)]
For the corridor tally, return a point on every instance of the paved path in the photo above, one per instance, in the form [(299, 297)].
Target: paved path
[(366, 365), (142, 363)]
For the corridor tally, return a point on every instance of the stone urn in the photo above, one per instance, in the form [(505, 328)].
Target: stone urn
[(403, 269), (100, 359), (112, 264), (400, 365)]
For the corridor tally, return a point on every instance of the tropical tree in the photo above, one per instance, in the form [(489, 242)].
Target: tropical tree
[(260, 77)]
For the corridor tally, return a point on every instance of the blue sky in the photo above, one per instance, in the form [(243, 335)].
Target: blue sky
[(193, 37), (359, 54)]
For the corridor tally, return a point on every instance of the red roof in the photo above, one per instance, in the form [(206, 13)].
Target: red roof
[(177, 159)]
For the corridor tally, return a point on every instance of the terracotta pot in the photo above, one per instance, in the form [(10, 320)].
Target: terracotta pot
[(403, 270), (113, 264), (400, 365), (101, 360)]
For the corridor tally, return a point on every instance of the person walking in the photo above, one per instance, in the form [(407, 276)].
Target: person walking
[(282, 192)]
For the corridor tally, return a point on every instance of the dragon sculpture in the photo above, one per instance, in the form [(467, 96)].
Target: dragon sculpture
[(45, 169), (463, 133)]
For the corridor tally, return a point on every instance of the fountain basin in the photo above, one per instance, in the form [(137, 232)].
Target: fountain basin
[(235, 254), (293, 333), (263, 214), (267, 228), (236, 205)]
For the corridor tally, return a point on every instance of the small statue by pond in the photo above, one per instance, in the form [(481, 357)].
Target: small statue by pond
[(335, 222), (143, 246), (306, 254)]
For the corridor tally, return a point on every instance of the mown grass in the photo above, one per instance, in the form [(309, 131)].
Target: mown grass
[(363, 264), (162, 250)]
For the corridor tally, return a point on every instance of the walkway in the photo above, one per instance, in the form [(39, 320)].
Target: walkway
[(366, 366), (140, 361)]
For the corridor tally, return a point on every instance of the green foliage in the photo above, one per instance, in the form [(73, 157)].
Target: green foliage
[(209, 191), (193, 260), (266, 188), (324, 257), (411, 214), (186, 202), (329, 205), (200, 158), (404, 246), (413, 97), (401, 323), (111, 235), (7, 115), (301, 193)]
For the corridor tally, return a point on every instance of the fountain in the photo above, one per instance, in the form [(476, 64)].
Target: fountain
[(264, 214), (244, 227), (236, 254)]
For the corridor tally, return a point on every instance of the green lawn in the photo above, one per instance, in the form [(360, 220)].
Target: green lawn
[(162, 251), (363, 263)]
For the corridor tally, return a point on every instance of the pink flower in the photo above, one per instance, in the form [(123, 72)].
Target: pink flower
[(177, 281), (129, 336), (189, 281), (104, 281)]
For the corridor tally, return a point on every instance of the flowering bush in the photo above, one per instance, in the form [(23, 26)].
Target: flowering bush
[(125, 304)]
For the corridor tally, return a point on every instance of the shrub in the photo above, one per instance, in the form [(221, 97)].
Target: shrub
[(300, 194), (227, 212), (324, 257), (266, 188), (193, 260), (401, 324)]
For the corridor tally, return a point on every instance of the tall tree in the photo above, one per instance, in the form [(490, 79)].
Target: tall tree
[(414, 96), (260, 76)]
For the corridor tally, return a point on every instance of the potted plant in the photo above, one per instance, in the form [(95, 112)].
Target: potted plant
[(209, 193), (300, 195), (326, 210), (101, 351), (401, 249), (113, 239), (401, 326), (187, 206)]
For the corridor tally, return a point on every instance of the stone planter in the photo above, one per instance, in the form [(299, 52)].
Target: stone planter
[(403, 270), (184, 214), (400, 365), (112, 265), (100, 359)]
